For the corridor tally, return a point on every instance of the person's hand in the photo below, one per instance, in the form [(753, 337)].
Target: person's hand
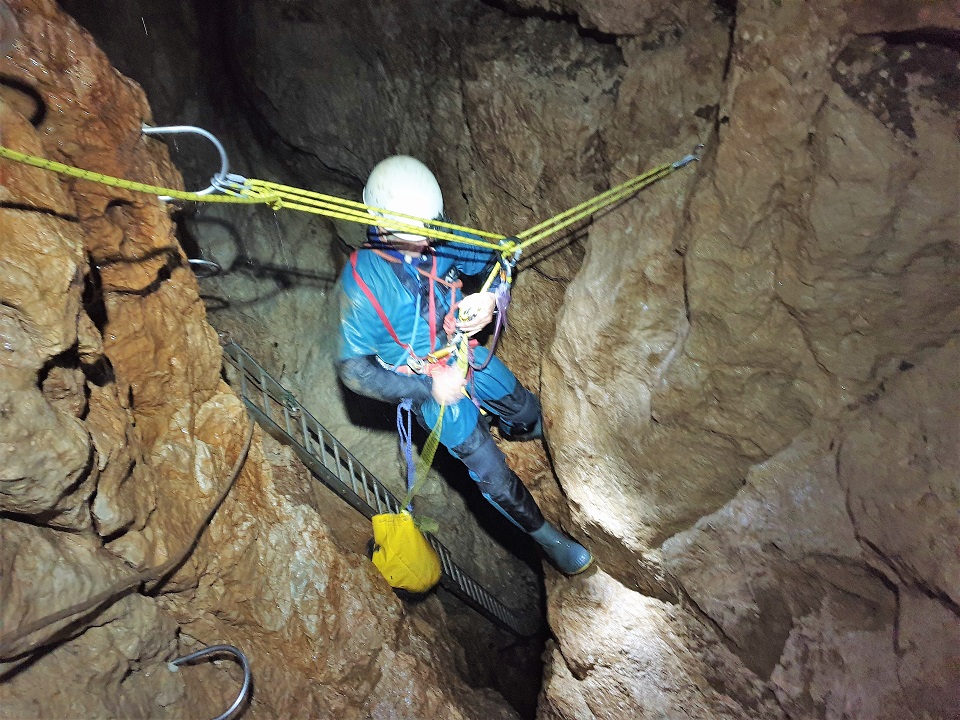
[(448, 385), (478, 311)]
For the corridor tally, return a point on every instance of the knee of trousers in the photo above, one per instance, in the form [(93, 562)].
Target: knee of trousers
[(519, 407), (497, 482)]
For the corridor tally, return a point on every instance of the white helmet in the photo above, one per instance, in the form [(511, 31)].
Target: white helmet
[(404, 184)]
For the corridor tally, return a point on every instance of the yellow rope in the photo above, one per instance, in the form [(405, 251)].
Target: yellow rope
[(294, 194), (579, 212), (331, 206), (276, 195), (591, 206), (71, 171)]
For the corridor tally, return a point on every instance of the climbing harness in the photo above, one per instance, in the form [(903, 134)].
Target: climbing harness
[(175, 664), (415, 364)]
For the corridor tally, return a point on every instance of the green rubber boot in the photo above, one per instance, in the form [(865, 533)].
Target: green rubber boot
[(570, 557)]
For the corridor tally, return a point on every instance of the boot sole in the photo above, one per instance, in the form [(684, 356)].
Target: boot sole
[(581, 570)]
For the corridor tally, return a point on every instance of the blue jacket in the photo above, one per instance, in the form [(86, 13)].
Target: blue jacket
[(405, 302)]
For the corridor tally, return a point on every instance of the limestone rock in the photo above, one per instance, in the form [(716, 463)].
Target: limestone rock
[(622, 654), (624, 322), (897, 464), (43, 453), (801, 291), (618, 17), (41, 283), (823, 552), (35, 187), (119, 504), (118, 669), (748, 374), (31, 590)]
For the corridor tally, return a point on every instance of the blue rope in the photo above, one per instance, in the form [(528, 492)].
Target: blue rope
[(502, 294), (405, 431)]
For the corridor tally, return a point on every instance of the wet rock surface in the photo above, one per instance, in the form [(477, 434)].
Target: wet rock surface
[(749, 372)]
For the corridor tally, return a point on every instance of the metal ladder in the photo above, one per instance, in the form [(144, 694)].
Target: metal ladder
[(280, 414)]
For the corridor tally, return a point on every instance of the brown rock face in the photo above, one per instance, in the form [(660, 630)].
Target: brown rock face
[(815, 263), (749, 372), (810, 271), (117, 435), (837, 548)]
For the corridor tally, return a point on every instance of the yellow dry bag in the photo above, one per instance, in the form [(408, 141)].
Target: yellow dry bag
[(402, 554)]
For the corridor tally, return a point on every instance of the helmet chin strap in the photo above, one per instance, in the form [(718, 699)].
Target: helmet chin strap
[(402, 245)]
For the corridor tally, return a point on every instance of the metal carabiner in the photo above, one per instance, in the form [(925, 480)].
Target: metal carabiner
[(220, 177), (247, 674), (687, 159), (507, 258), (204, 268)]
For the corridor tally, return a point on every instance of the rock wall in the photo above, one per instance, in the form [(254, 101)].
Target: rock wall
[(118, 435), (825, 588), (779, 393), (276, 294), (748, 372)]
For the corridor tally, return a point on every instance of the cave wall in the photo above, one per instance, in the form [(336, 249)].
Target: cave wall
[(118, 434), (748, 372), (815, 258), (746, 454), (701, 332), (276, 295)]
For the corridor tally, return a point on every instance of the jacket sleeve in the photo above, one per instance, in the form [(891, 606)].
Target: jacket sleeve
[(358, 320), (365, 376)]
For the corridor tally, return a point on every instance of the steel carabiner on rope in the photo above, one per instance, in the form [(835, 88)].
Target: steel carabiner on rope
[(510, 256), (687, 159)]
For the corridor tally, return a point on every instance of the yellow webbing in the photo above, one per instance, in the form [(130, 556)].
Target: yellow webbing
[(430, 447), (426, 458)]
